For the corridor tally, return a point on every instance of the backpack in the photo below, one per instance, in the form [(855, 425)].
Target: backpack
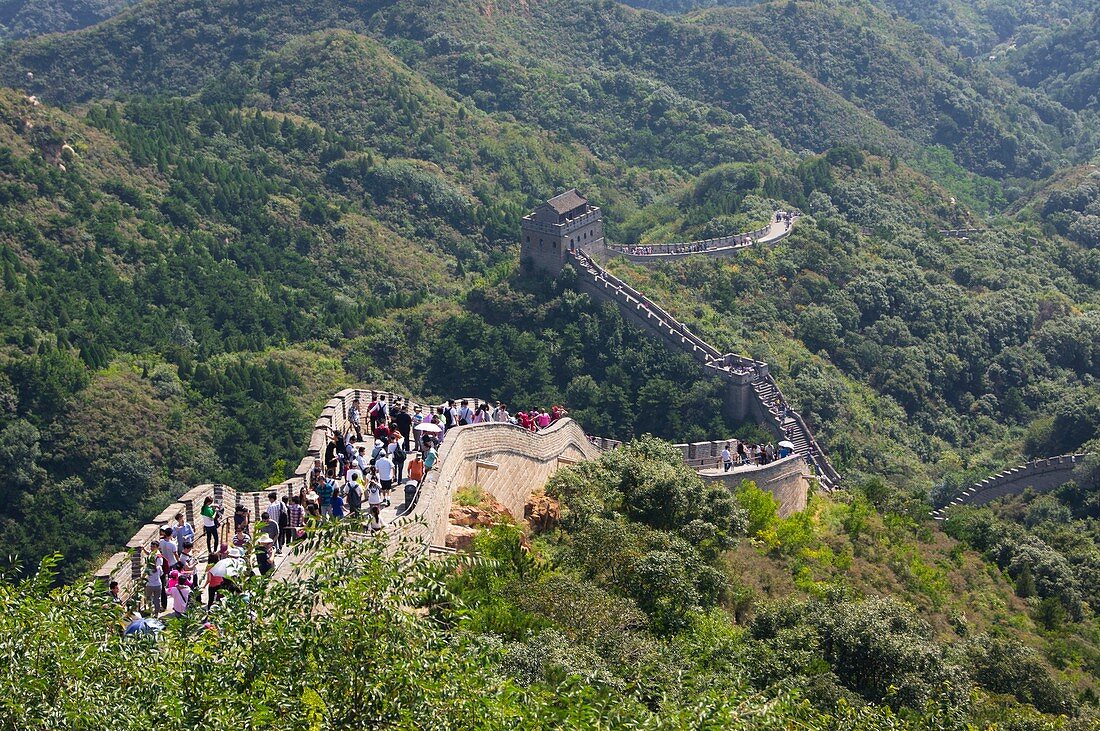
[(398, 453)]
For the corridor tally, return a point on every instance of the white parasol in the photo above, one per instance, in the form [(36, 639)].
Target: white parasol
[(227, 568)]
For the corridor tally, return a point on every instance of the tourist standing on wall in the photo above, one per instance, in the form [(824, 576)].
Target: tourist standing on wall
[(727, 458), (398, 455), (416, 469), (404, 421), (179, 591), (274, 515), (337, 504), (285, 534), (374, 503), (154, 603), (385, 468), (355, 494), (465, 413), (379, 413), (182, 532), (297, 517), (324, 497), (355, 418), (210, 524), (168, 552), (264, 560), (332, 454)]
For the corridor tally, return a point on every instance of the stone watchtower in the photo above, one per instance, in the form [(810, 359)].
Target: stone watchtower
[(563, 223)]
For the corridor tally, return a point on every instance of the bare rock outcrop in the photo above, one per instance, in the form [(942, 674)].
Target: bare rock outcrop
[(541, 512)]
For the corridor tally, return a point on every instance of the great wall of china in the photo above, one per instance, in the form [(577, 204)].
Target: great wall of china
[(751, 391), (510, 463), (522, 461), (722, 246), (1040, 475)]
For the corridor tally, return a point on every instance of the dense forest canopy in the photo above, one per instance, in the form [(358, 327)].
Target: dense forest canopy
[(214, 214)]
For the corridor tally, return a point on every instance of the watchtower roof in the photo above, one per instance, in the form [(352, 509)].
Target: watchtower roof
[(568, 201)]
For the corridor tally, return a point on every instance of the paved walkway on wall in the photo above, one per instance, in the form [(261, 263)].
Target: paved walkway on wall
[(776, 231), (721, 246)]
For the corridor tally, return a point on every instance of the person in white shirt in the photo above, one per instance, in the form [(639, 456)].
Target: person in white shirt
[(384, 466), (274, 514), (374, 504), (168, 547), (727, 458)]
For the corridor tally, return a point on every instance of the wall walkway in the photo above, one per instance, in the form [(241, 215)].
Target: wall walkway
[(784, 478), (508, 462), (722, 246)]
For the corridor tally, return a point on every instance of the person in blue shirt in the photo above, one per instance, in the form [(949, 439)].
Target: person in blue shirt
[(337, 504), (325, 491), (182, 532)]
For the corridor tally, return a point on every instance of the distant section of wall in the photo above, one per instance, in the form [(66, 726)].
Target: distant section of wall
[(785, 479), (1041, 475), (723, 246)]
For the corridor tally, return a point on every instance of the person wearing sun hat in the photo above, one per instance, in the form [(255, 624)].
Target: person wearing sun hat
[(264, 548)]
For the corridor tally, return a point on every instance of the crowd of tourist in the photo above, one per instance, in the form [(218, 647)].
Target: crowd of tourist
[(387, 443), (753, 454)]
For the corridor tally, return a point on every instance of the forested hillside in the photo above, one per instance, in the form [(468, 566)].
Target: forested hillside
[(1062, 63), (216, 213), (23, 18)]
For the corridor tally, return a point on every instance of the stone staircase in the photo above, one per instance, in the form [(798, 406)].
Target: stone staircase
[(741, 371), (794, 428)]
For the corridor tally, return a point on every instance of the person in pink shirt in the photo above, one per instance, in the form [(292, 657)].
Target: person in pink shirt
[(543, 419)]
